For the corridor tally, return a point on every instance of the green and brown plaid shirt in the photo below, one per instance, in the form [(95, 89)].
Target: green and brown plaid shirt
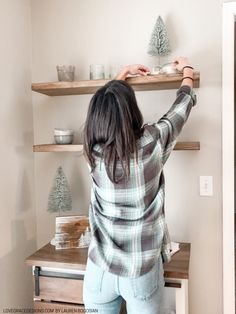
[(127, 219)]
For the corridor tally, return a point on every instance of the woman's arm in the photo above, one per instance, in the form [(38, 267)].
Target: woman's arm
[(171, 124)]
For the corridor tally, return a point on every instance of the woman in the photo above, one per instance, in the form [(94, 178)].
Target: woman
[(130, 239)]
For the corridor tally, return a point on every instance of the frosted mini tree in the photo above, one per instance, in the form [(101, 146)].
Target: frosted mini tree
[(159, 44), (60, 195)]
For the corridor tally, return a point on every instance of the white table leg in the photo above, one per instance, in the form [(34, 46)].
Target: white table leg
[(181, 297)]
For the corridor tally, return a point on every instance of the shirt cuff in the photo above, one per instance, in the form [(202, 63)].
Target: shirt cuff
[(188, 90)]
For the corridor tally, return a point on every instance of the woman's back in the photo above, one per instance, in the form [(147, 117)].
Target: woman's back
[(130, 197), (127, 218), (129, 233)]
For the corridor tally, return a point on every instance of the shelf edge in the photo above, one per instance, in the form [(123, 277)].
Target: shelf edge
[(53, 148), (146, 83)]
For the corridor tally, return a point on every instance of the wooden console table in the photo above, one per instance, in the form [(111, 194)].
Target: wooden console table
[(58, 277)]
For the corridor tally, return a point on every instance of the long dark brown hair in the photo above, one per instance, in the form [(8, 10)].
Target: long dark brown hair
[(113, 121)]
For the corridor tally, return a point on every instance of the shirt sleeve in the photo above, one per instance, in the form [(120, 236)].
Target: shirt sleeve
[(171, 124)]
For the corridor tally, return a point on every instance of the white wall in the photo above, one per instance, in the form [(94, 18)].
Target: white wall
[(107, 31), (17, 223)]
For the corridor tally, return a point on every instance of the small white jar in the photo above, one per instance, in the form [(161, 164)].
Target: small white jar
[(169, 68)]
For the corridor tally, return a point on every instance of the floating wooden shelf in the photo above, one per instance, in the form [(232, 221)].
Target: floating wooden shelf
[(43, 148), (139, 83), (54, 148), (187, 146)]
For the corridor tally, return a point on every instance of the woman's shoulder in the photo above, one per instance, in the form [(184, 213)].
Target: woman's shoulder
[(149, 135)]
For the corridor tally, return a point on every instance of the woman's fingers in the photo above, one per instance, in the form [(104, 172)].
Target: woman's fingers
[(181, 62), (143, 73), (143, 70), (134, 69)]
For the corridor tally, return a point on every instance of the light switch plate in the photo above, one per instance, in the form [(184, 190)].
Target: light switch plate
[(206, 185)]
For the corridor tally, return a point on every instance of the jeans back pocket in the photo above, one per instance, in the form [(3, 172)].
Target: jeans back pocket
[(93, 276), (145, 285)]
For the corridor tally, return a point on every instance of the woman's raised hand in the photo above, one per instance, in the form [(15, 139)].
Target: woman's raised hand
[(181, 62), (133, 69)]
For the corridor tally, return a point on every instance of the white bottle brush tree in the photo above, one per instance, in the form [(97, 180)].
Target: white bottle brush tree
[(60, 194), (159, 44)]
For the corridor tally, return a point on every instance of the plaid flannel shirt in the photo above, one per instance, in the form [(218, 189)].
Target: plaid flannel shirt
[(127, 219)]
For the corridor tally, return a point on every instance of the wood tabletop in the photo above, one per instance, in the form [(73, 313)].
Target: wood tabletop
[(48, 256), (178, 267)]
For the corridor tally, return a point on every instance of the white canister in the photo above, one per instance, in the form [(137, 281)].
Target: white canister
[(169, 68), (97, 72)]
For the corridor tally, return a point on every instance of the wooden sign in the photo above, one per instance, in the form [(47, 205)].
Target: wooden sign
[(69, 230)]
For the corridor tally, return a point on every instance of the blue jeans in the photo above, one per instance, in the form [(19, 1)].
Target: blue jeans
[(104, 291)]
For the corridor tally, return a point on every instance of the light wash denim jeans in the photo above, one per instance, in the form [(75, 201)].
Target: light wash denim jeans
[(104, 291)]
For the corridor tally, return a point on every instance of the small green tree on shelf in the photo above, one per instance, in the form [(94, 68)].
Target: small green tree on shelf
[(159, 44), (60, 195)]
